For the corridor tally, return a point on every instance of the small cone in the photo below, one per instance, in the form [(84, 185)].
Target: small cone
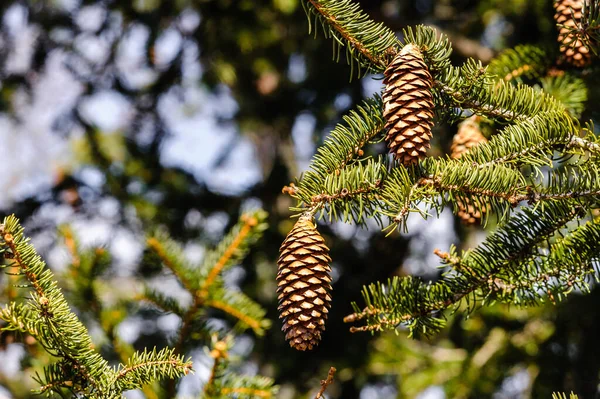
[(572, 46), (408, 106), (468, 136), (304, 284)]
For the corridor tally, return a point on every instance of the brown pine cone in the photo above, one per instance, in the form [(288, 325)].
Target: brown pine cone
[(408, 106), (572, 43), (304, 284), (468, 136)]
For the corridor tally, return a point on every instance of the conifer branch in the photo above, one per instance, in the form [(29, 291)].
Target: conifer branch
[(325, 383), (147, 366), (521, 61), (251, 322), (464, 101), (218, 353), (248, 223), (48, 318), (62, 332), (169, 253), (483, 270), (367, 43)]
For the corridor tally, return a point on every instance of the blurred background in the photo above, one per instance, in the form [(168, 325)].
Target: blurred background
[(118, 116)]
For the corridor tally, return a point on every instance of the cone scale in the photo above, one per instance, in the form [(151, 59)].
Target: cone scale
[(568, 17), (468, 136), (408, 106), (304, 284)]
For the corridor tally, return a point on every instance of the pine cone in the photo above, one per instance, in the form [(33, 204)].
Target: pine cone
[(408, 105), (303, 284), (568, 17), (467, 213), (468, 136)]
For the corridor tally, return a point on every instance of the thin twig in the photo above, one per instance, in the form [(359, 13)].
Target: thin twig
[(326, 383)]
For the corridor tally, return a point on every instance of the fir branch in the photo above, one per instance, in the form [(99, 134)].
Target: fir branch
[(171, 255), (207, 278), (569, 89), (325, 383), (49, 319), (473, 277), (529, 142), (232, 251), (146, 367), (219, 354), (166, 303), (366, 42), (20, 318), (348, 138), (61, 332), (459, 179), (521, 61), (222, 383), (241, 307), (351, 195), (343, 144)]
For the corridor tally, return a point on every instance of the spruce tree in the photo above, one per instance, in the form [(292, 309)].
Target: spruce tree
[(69, 362), (533, 183)]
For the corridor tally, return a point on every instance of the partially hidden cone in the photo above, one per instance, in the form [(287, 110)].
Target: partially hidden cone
[(408, 106), (304, 284), (468, 136), (572, 43)]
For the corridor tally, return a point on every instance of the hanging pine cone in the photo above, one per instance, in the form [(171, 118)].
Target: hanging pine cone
[(408, 105), (572, 46), (304, 284), (468, 136)]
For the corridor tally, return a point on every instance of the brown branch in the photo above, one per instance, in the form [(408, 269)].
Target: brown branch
[(407, 202), (436, 183), (326, 383), (56, 384), (585, 144), (344, 193), (332, 20)]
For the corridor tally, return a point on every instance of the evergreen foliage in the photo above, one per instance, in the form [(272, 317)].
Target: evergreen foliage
[(46, 316), (536, 178), (77, 368)]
